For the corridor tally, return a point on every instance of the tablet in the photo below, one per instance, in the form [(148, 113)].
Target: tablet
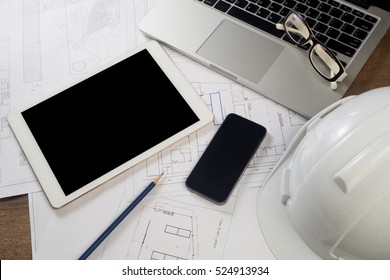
[(91, 130)]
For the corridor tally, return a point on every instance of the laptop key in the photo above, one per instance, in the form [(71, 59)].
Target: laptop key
[(289, 3), (346, 8), (263, 13), (275, 18), (347, 28), (370, 18), (360, 34), (358, 13), (300, 8), (321, 27), (336, 13), (324, 7), (340, 48), (253, 8), (264, 3), (335, 23), (350, 41), (347, 18), (313, 3), (255, 21), (284, 12), (275, 7), (311, 22), (333, 33), (210, 2), (222, 6), (362, 24), (312, 13), (321, 38), (324, 18), (241, 3)]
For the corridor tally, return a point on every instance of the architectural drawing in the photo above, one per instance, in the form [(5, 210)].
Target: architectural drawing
[(168, 231), (32, 58), (224, 98), (14, 168), (100, 30), (88, 33), (93, 33), (180, 227), (4, 87), (184, 212), (175, 229), (46, 44)]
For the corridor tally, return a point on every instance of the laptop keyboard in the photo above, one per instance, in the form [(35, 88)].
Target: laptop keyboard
[(341, 28)]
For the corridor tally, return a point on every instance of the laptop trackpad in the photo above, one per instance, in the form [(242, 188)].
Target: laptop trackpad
[(240, 51)]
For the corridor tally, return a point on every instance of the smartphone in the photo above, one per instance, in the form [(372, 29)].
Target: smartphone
[(225, 159)]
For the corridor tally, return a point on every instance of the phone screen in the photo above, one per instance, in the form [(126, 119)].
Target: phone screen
[(224, 161)]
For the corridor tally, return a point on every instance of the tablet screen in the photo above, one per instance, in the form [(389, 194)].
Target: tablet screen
[(104, 121)]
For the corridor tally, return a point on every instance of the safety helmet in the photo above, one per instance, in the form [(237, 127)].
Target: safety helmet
[(329, 195)]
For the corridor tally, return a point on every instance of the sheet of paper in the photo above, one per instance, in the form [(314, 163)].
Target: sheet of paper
[(171, 222), (44, 44), (20, 76)]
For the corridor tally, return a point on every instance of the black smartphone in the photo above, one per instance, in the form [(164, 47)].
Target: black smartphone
[(225, 159)]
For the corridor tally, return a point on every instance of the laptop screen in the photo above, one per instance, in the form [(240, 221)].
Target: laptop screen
[(384, 4)]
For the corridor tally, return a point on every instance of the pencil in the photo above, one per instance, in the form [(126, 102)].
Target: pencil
[(120, 218)]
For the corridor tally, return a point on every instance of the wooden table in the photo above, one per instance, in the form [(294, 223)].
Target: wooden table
[(15, 239)]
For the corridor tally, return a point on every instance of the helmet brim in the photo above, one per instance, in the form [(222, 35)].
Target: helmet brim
[(278, 231)]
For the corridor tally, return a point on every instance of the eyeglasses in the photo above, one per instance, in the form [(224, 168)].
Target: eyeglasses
[(322, 59)]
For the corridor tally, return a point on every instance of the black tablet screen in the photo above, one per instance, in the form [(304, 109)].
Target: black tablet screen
[(104, 121)]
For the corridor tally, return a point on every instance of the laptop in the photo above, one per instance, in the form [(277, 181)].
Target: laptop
[(239, 39)]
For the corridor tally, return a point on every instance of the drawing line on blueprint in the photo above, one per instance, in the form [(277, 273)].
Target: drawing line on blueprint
[(164, 232), (32, 58), (5, 95), (177, 161), (225, 98), (101, 30), (10, 157), (29, 52)]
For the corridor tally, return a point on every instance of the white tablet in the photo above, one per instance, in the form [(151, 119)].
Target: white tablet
[(91, 130)]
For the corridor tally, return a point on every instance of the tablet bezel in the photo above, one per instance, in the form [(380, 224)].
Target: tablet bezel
[(41, 167)]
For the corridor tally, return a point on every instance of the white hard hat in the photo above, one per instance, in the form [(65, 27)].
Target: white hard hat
[(329, 195)]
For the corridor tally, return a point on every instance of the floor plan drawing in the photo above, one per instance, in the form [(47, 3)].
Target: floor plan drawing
[(99, 30), (159, 221), (224, 98), (181, 228), (4, 87), (175, 229), (87, 34), (45, 44), (32, 57), (96, 32), (14, 167)]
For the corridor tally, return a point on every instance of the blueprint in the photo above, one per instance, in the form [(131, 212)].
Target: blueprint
[(173, 223), (17, 83), (47, 43)]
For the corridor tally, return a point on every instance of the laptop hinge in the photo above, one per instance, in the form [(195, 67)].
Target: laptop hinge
[(361, 3)]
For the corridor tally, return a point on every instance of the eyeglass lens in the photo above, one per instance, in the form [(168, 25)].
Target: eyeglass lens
[(297, 29), (324, 62), (320, 56)]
